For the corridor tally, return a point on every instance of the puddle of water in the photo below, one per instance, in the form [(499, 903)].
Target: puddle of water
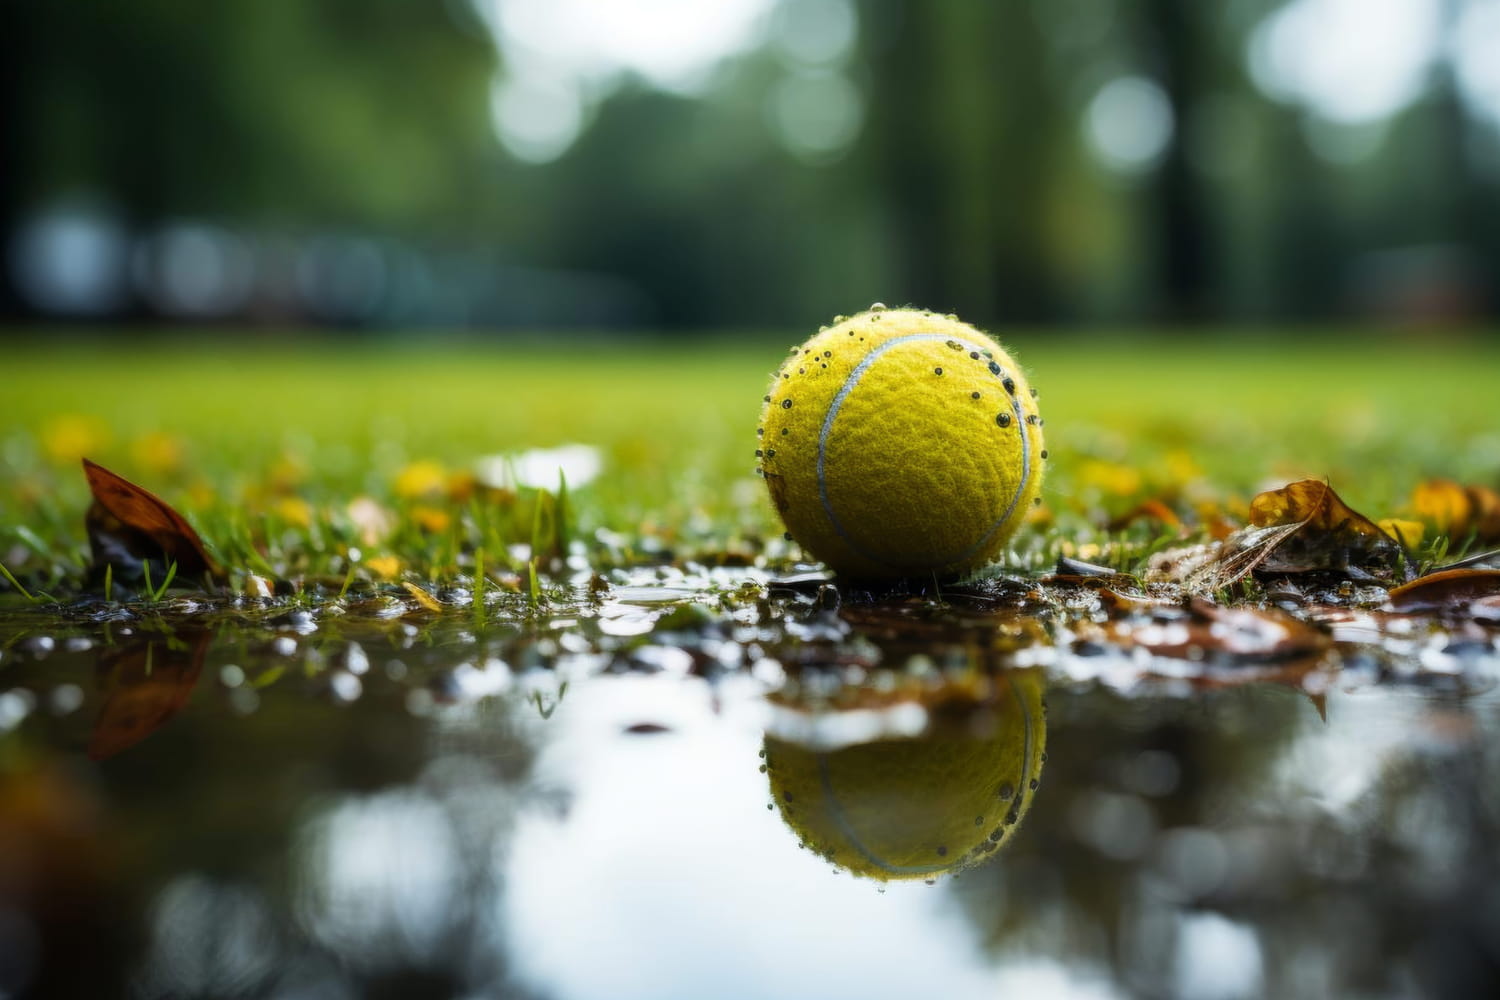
[(703, 788)]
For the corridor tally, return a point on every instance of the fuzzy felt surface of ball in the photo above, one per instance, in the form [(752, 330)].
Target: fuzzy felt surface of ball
[(916, 808), (901, 443)]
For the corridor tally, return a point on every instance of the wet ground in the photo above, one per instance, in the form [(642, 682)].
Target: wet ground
[(714, 784)]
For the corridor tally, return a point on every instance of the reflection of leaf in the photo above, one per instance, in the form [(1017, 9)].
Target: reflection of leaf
[(1203, 632), (128, 525), (1447, 590), (1458, 511), (148, 683)]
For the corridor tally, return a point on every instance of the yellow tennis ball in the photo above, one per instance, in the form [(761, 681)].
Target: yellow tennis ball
[(901, 443), (915, 808)]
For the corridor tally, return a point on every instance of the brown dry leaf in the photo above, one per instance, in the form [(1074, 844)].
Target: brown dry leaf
[(1447, 590), (1232, 559), (1457, 510), (1327, 534), (1314, 504), (128, 526), (148, 683)]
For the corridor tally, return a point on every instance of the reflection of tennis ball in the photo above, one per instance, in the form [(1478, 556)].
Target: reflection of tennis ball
[(899, 443), (912, 808)]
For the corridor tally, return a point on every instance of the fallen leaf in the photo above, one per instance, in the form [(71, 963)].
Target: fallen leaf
[(1325, 534), (1447, 590), (1231, 560), (129, 526), (1147, 510), (149, 683)]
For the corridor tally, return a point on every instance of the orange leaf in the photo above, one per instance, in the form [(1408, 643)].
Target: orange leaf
[(1147, 510), (1313, 503), (128, 525), (1305, 527)]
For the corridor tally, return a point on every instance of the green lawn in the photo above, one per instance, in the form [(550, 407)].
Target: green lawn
[(239, 433)]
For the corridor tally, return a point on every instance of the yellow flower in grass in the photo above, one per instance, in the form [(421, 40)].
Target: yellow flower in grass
[(157, 452), (385, 567), (421, 479), (70, 436), (1408, 533), (1111, 479), (295, 511), (431, 519)]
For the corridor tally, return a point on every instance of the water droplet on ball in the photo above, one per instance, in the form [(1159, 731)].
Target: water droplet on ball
[(1003, 419), (786, 404)]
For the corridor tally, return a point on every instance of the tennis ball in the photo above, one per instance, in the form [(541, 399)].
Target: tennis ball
[(915, 808), (901, 443)]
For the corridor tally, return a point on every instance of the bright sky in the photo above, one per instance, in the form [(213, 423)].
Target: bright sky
[(561, 57), (1355, 62), (672, 43)]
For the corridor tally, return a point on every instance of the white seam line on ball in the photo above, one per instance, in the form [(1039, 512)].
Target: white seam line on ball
[(838, 402)]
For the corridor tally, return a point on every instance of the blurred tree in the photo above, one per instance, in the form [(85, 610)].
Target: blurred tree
[(361, 112), (965, 133)]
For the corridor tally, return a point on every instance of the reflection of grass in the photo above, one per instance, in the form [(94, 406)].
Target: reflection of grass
[(265, 445)]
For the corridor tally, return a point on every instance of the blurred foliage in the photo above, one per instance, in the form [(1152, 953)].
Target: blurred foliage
[(366, 113), (969, 184)]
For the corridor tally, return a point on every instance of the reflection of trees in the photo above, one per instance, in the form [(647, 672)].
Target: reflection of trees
[(268, 842), (1163, 815)]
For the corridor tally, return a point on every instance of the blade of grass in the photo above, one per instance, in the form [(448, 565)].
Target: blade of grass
[(348, 581), (479, 583), (171, 575), (536, 525), (17, 584), (560, 516)]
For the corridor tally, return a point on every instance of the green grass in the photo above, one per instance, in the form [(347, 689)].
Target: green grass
[(265, 425)]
